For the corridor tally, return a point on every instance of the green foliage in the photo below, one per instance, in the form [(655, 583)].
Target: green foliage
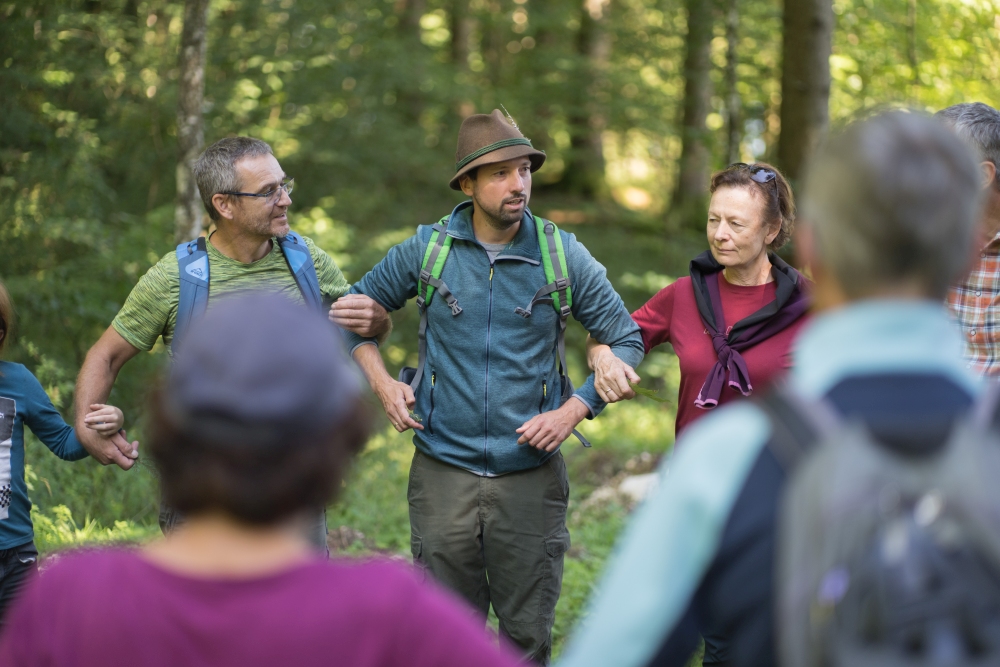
[(58, 530)]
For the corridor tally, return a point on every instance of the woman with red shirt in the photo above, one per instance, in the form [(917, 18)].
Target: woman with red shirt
[(733, 320)]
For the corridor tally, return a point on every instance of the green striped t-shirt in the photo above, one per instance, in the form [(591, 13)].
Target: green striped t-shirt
[(151, 309)]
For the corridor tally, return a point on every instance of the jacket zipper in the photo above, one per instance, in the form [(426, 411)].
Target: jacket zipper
[(486, 397), (541, 403), (430, 428)]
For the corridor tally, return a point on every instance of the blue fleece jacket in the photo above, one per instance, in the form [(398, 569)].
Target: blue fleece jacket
[(489, 370), (23, 401)]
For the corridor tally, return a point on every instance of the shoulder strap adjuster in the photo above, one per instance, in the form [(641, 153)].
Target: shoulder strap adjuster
[(564, 311)]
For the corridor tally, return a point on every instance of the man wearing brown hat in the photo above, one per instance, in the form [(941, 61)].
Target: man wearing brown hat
[(490, 400)]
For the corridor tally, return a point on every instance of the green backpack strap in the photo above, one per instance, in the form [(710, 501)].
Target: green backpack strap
[(430, 269), (428, 282), (560, 292)]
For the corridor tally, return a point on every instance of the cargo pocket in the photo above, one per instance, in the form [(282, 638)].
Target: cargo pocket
[(417, 549), (555, 551)]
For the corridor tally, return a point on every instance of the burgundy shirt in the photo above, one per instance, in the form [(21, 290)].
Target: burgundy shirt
[(671, 316), (115, 608)]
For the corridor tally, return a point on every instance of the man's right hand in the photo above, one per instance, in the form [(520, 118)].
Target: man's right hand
[(97, 375), (107, 450), (397, 401)]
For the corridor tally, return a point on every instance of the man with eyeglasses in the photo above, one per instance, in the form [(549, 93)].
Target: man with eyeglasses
[(246, 194)]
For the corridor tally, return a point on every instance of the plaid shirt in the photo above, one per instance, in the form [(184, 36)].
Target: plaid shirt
[(975, 304)]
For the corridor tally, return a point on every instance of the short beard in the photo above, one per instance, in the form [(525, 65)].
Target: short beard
[(498, 218), (261, 225)]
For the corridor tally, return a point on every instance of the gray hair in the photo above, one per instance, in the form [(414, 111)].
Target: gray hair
[(215, 169), (978, 125), (893, 201)]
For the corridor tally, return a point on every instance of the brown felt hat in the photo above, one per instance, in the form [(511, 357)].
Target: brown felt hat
[(489, 138)]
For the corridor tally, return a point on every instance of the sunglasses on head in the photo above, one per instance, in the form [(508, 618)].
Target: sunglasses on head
[(759, 174)]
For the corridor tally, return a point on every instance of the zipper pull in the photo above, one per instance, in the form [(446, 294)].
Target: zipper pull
[(545, 388), (433, 378), (491, 273)]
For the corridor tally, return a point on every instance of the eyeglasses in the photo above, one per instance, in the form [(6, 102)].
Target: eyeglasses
[(270, 194), (759, 174)]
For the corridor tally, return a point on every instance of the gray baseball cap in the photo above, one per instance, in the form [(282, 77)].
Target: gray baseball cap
[(260, 370)]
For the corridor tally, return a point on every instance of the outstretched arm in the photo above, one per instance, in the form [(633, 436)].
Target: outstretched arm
[(597, 306), (93, 385)]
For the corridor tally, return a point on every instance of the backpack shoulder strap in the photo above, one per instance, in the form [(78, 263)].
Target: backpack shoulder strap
[(428, 282), (435, 255), (797, 424), (559, 292), (558, 289), (554, 261), (303, 269), (192, 268)]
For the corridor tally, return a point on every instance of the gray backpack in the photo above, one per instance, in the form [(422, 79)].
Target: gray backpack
[(883, 557)]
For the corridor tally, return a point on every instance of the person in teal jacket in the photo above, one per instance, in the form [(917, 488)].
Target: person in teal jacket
[(23, 401), (488, 487)]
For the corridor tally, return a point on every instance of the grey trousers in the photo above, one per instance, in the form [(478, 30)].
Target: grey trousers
[(495, 540)]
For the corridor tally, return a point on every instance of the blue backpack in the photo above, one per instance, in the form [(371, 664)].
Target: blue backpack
[(192, 264)]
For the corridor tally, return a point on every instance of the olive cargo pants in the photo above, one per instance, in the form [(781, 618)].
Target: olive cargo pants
[(496, 540)]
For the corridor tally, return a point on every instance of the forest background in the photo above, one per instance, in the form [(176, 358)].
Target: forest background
[(634, 101)]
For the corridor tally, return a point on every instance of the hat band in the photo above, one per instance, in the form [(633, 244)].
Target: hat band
[(504, 143)]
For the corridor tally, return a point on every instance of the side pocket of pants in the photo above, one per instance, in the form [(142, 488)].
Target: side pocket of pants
[(416, 543), (416, 548), (555, 553)]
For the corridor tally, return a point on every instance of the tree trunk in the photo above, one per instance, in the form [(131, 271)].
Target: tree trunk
[(584, 171), (805, 82), (410, 97), (911, 43), (461, 31), (734, 118), (687, 208), (190, 124), (412, 10)]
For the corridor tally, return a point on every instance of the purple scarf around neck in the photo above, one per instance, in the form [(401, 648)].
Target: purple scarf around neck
[(790, 303)]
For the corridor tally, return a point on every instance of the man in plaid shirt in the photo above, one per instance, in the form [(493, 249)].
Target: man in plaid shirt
[(975, 301)]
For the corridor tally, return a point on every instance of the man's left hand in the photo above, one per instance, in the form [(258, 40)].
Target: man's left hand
[(362, 315), (550, 429)]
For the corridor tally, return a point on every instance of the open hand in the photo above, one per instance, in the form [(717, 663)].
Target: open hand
[(105, 419), (360, 314), (397, 400)]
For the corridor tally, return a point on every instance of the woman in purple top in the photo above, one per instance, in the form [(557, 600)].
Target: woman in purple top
[(251, 432)]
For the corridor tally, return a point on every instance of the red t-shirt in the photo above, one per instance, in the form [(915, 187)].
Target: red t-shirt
[(112, 608), (671, 316)]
